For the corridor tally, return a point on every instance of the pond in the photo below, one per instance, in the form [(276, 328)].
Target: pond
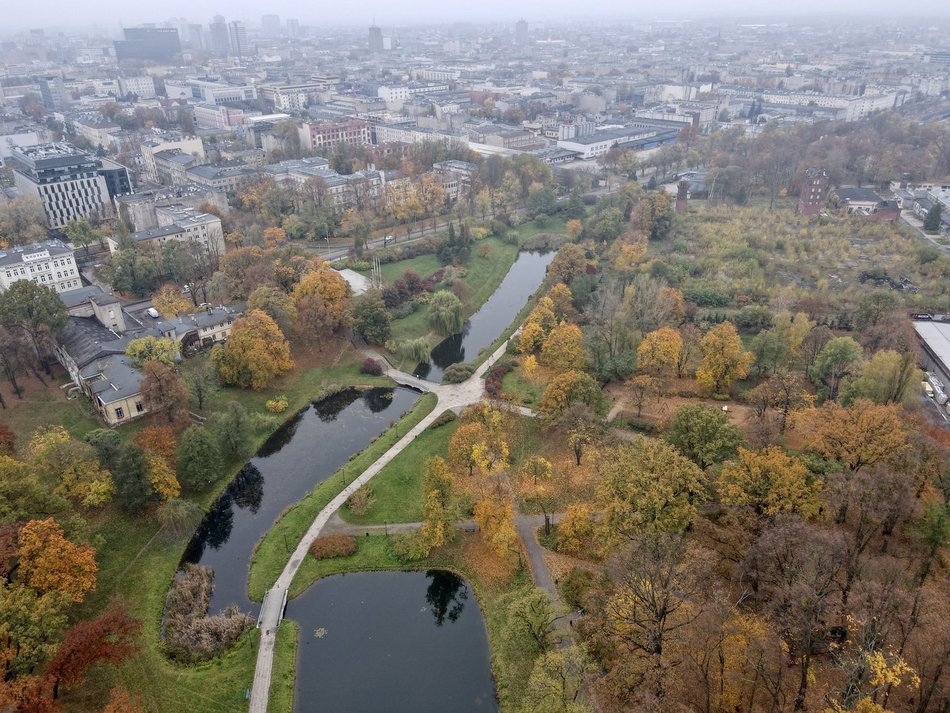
[(301, 454), (400, 642), (482, 328)]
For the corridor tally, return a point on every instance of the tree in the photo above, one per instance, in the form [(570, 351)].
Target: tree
[(371, 320), (555, 682), (886, 378), (563, 349), (495, 519), (723, 358), (170, 302), (80, 233), (110, 637), (568, 388), (159, 349), (659, 352), (858, 437), (446, 313), (51, 563), (37, 312), (656, 586), (255, 354), (647, 486), (570, 261), (15, 356), (770, 481), (71, 468), (326, 283), (932, 219), (7, 440), (531, 617), (164, 391), (436, 528), (32, 625), (541, 201), (161, 476), (107, 444), (838, 359), (462, 446), (132, 478), (199, 458), (574, 227), (201, 383), (704, 434), (233, 429), (642, 387), (22, 220)]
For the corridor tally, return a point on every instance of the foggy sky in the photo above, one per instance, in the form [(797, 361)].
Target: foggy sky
[(107, 14)]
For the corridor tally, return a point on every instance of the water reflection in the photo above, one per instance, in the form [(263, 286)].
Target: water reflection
[(378, 400), (446, 595), (399, 642), (309, 449)]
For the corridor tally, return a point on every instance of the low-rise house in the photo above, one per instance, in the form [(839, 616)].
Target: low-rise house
[(863, 202), (202, 329)]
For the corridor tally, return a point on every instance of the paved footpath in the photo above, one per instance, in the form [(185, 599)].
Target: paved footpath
[(450, 396)]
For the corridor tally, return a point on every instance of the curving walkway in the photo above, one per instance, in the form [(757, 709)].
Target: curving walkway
[(449, 396)]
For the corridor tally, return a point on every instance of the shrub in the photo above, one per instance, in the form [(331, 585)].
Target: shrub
[(404, 310), (329, 546), (372, 367), (190, 634), (443, 418), (278, 404), (574, 586), (457, 373), (360, 502)]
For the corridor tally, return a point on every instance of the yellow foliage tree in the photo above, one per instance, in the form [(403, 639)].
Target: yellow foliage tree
[(71, 467), (659, 352), (330, 287), (162, 478), (563, 350), (51, 563), (724, 360), (255, 354), (170, 302), (770, 481), (274, 237), (562, 300), (495, 518), (575, 528)]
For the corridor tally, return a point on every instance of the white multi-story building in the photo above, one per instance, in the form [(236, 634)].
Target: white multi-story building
[(66, 180), (183, 225), (142, 87), (49, 263)]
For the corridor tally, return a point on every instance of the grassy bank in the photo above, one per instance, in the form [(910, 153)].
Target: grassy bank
[(284, 677), (483, 274), (398, 486), (494, 584), (273, 551), (526, 392)]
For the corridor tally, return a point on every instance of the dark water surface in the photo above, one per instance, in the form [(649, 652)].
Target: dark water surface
[(304, 452), (391, 642), (482, 328)]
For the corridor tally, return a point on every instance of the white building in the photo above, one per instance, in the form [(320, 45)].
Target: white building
[(192, 146), (183, 225), (49, 263), (142, 87)]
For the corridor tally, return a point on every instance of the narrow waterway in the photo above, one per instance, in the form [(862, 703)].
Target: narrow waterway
[(303, 453), (482, 328), (400, 642)]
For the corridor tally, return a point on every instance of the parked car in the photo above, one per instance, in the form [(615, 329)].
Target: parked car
[(152, 312)]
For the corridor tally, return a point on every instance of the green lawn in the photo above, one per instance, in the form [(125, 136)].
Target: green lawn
[(398, 487), (526, 392), (273, 551), (482, 277), (284, 676)]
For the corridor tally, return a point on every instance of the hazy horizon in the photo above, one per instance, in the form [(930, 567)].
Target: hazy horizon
[(110, 14)]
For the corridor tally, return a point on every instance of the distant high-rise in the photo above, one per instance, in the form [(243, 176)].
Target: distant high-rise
[(375, 39), (52, 92), (191, 36), (521, 33), (270, 26), (220, 43), (293, 28), (239, 43), (159, 44)]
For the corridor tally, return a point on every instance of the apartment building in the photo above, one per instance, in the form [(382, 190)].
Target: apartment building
[(317, 136), (192, 146), (49, 263), (65, 179)]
